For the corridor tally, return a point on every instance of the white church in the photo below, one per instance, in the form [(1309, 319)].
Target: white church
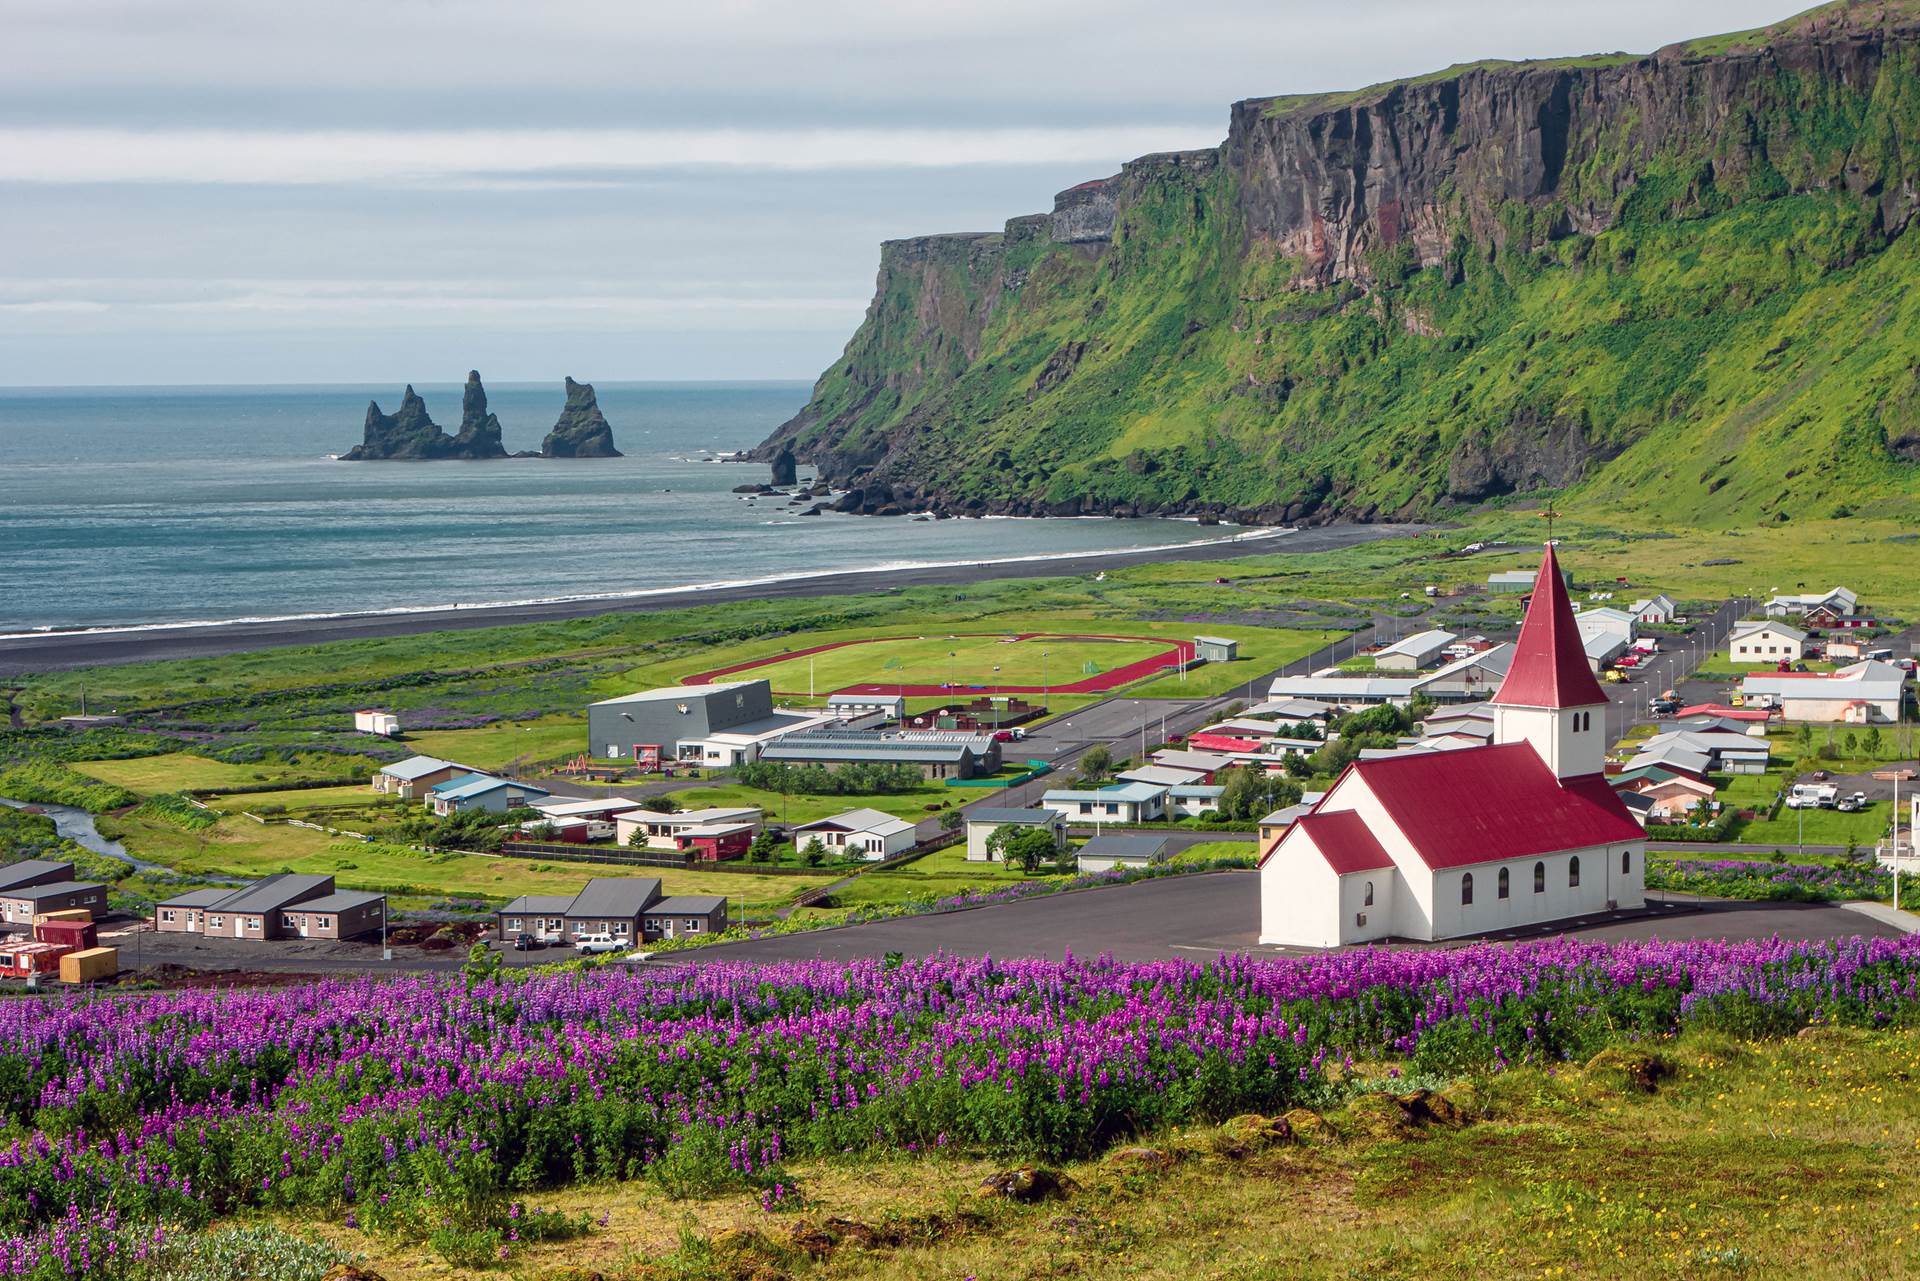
[(1436, 845)]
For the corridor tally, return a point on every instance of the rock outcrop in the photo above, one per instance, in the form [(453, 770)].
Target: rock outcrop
[(1390, 302), (785, 472), (582, 430), (410, 434)]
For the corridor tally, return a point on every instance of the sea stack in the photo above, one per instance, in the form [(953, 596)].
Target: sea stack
[(410, 434), (784, 472), (582, 430)]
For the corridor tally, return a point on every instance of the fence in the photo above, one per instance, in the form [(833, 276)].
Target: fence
[(585, 854)]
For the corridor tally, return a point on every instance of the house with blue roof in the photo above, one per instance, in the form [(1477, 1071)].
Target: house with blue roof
[(481, 791), (1119, 803)]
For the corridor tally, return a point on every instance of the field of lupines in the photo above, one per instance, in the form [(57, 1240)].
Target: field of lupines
[(440, 1108), (1771, 881)]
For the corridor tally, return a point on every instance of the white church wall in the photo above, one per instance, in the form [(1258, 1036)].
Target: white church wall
[(1361, 921), (1600, 883), (1300, 899)]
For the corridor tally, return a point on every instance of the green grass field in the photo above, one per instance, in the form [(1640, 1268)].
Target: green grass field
[(936, 659), (937, 875), (241, 847), (183, 771), (502, 743), (912, 806), (1207, 850), (298, 800)]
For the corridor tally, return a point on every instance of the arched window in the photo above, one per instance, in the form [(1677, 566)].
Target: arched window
[(1466, 889), (1626, 861), (1504, 881), (1539, 878), (1369, 901), (1573, 870)]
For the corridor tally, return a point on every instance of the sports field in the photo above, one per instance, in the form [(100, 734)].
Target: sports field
[(939, 662)]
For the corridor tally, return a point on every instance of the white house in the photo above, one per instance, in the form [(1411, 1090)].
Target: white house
[(984, 821), (481, 791), (1837, 600), (1607, 620), (1766, 643), (1658, 611), (1435, 845), (1121, 803), (1106, 853), (1190, 800), (1867, 693), (865, 833), (1411, 653), (661, 828)]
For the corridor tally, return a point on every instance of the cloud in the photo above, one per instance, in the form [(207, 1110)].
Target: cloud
[(370, 156)]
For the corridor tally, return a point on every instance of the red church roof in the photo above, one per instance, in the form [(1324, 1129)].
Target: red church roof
[(1483, 804), (1549, 666), (1345, 841)]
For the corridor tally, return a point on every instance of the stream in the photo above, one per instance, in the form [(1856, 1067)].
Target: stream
[(77, 826)]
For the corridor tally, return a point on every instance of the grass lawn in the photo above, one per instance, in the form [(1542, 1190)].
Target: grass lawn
[(1208, 850), (183, 771), (1783, 1158), (964, 660), (296, 801), (1823, 827), (911, 806), (937, 875), (242, 847), (502, 743)]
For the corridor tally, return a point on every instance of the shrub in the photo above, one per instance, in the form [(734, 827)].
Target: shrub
[(46, 783)]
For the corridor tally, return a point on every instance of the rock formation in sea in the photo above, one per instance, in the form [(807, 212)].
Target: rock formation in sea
[(784, 472), (411, 434), (582, 430)]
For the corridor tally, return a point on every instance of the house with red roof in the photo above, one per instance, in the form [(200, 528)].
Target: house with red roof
[(1522, 831)]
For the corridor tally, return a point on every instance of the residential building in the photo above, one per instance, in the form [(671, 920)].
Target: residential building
[(34, 871), (412, 778), (19, 904), (1835, 602), (1728, 751), (872, 708), (1766, 643), (1165, 776), (629, 908), (719, 725), (1658, 610), (1602, 648), (984, 821), (481, 792), (1215, 649), (1672, 798), (861, 833), (1411, 653), (287, 905), (663, 830), (1117, 853), (1119, 803), (1441, 844), (1866, 693), (1190, 800), (1471, 676), (715, 841), (936, 755), (1607, 619), (1294, 710)]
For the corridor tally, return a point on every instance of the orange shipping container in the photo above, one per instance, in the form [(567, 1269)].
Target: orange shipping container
[(94, 963), (70, 914)]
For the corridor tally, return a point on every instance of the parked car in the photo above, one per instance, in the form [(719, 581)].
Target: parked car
[(526, 943), (1820, 776), (1663, 706), (588, 944)]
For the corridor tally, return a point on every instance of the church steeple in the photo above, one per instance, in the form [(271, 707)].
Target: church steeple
[(1549, 691)]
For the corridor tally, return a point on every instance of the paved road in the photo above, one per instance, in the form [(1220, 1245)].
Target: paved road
[(1202, 916), (1678, 657), (63, 651)]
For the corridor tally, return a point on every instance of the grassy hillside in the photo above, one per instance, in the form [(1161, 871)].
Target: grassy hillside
[(1717, 326)]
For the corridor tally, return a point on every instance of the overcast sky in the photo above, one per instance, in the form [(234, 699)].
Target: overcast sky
[(389, 190)]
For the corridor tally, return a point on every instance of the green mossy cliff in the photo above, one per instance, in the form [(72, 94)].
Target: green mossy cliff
[(1677, 282)]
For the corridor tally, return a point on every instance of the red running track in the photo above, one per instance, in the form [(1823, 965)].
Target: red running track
[(1179, 652)]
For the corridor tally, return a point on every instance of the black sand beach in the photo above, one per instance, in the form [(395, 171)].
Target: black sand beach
[(59, 651)]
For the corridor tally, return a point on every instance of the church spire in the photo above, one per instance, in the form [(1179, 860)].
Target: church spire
[(1550, 668)]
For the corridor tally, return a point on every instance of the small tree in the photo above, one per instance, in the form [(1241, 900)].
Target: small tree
[(951, 821), (1851, 741), (1027, 848), (1096, 764), (764, 844), (663, 805), (637, 839), (815, 854), (482, 964), (1804, 737), (1872, 742)]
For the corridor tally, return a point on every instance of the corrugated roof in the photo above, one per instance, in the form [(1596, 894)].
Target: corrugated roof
[(1345, 841), (615, 896), (1031, 818), (1131, 792), (274, 892), (1484, 804), (417, 767), (33, 869), (1549, 667), (677, 693), (1419, 645)]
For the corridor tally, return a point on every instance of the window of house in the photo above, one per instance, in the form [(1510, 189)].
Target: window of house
[(216, 921), (166, 916), (513, 925), (1539, 878), (1466, 889), (1626, 861), (693, 926), (289, 920), (1505, 882), (621, 927), (253, 922), (1368, 902), (1573, 870)]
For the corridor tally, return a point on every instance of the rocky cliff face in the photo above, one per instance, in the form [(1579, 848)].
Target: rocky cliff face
[(582, 430), (1359, 304), (410, 434)]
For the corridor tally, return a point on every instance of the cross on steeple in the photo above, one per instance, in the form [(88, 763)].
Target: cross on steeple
[(1549, 515)]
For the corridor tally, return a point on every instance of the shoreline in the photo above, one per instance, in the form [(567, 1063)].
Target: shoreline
[(22, 653)]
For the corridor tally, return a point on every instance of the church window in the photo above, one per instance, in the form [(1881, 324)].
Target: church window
[(1466, 889), (1504, 882), (1573, 870), (1369, 899), (1626, 861), (1539, 878)]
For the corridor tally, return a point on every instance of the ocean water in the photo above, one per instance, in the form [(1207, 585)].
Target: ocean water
[(130, 506)]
